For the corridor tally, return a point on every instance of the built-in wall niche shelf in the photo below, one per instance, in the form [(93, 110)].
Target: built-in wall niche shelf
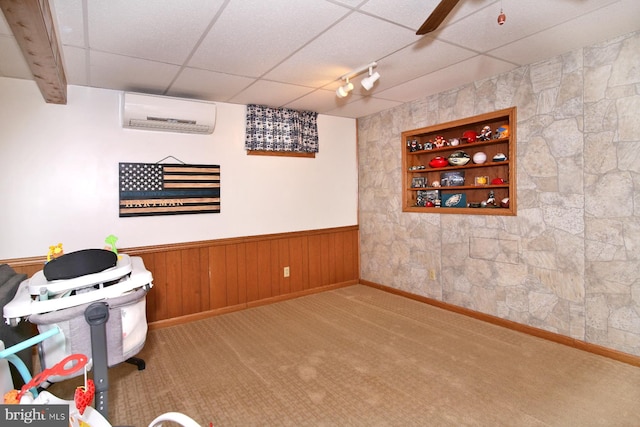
[(466, 166)]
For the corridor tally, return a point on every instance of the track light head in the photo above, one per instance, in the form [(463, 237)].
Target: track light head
[(343, 91), (367, 82)]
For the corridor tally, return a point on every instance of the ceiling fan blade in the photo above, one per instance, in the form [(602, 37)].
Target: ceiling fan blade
[(437, 16)]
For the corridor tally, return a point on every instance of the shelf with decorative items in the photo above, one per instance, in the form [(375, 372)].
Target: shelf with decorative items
[(466, 166)]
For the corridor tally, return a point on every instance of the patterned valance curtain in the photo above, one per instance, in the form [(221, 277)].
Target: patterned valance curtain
[(281, 129)]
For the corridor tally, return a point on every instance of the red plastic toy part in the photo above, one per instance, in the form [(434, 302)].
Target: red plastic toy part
[(56, 370)]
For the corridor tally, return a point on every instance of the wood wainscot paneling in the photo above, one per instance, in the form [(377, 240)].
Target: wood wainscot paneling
[(200, 279), (28, 266)]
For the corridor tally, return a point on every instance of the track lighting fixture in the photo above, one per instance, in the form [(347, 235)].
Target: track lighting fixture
[(367, 82), (343, 91)]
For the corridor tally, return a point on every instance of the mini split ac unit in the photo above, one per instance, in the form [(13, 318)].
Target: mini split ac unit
[(161, 113)]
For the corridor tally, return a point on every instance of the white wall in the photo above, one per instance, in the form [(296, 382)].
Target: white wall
[(59, 176)]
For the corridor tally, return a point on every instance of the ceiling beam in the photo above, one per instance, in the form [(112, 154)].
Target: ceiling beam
[(33, 28)]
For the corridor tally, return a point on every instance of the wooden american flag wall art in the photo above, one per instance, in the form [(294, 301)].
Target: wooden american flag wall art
[(148, 189)]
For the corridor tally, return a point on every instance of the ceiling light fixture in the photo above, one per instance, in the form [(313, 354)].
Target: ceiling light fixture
[(502, 17), (343, 91), (367, 82)]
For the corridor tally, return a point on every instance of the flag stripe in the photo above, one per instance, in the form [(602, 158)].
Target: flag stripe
[(191, 168), (168, 211), (192, 185), (213, 178), (170, 193)]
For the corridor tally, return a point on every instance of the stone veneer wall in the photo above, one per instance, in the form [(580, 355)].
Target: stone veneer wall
[(569, 262)]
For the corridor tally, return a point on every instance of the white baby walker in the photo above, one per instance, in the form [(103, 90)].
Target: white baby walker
[(77, 417), (100, 315)]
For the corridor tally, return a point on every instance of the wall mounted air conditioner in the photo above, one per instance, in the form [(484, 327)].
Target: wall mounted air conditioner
[(162, 113)]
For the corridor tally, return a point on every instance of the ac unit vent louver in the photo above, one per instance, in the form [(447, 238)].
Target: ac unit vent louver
[(161, 113)]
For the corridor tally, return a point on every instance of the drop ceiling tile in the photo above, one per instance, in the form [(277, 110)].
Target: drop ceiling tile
[(481, 32), (130, 74), (253, 36), (363, 107), (413, 13), (208, 85), (410, 13), (583, 31), (349, 3), (75, 65), (465, 72), (269, 93), (13, 63), (70, 18), (351, 43), (423, 57), (321, 101), (164, 31)]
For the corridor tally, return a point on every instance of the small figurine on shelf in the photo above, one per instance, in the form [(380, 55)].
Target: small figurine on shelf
[(485, 134), (490, 202), (440, 142), (413, 145), (492, 199)]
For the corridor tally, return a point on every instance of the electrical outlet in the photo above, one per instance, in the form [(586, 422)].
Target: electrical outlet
[(286, 272), (432, 274)]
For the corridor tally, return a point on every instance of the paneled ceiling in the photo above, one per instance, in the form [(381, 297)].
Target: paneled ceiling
[(292, 53)]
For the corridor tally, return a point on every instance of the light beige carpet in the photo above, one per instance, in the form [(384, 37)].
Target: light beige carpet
[(358, 356)]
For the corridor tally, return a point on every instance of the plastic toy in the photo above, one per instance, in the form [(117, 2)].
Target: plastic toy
[(55, 252), (111, 241), (83, 395)]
